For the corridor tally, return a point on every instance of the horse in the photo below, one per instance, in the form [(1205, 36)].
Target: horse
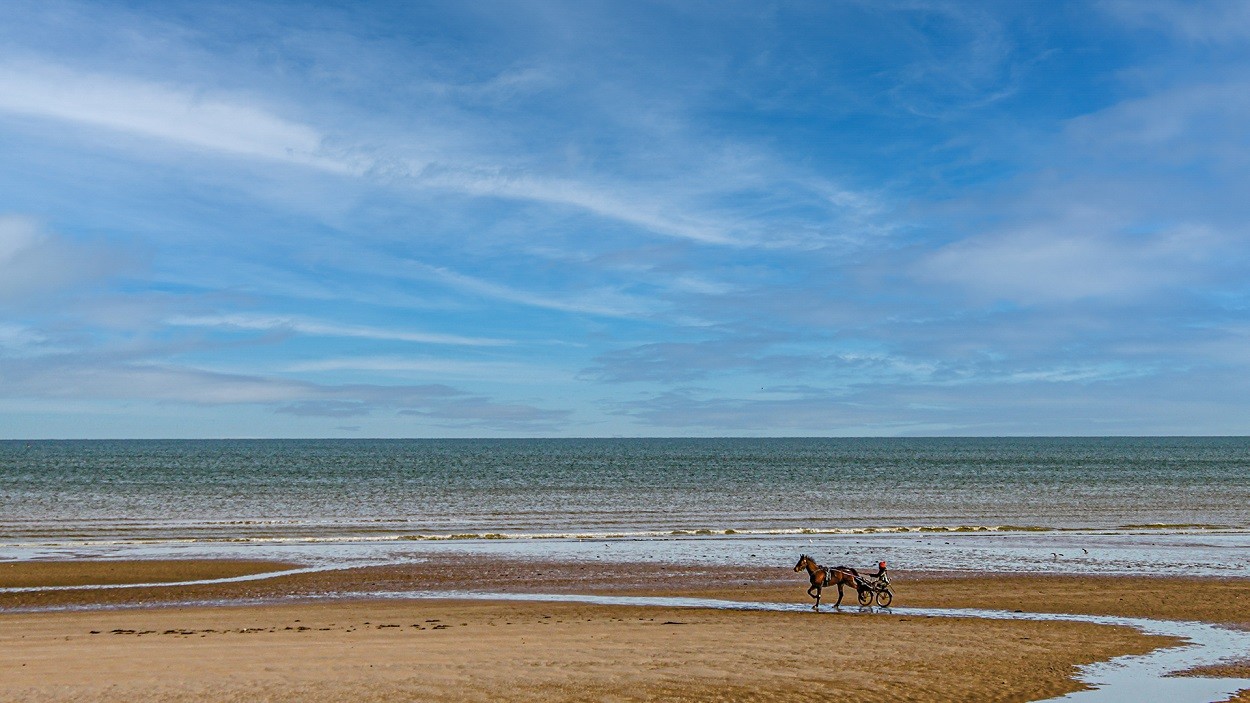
[(822, 577)]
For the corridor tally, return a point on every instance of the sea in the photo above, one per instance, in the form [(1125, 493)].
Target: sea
[(1116, 505)]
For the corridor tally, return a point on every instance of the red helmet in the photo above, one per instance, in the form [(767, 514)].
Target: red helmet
[(881, 565)]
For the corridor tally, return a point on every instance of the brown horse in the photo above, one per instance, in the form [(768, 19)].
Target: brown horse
[(823, 577)]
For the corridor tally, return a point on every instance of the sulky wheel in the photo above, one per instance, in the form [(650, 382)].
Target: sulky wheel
[(865, 597), (884, 598)]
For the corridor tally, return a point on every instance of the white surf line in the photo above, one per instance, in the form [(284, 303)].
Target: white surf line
[(1125, 679), (477, 534)]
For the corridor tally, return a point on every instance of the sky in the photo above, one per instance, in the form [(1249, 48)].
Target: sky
[(596, 219)]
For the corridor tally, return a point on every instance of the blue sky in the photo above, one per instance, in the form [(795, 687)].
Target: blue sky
[(587, 218)]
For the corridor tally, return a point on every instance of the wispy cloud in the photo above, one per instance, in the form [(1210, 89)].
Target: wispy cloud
[(873, 217), (1218, 21), (274, 323), (72, 377), (175, 114), (36, 262), (191, 117), (498, 371), (606, 302), (1072, 261), (18, 338), (643, 210)]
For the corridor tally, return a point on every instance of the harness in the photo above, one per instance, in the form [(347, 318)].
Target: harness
[(829, 571)]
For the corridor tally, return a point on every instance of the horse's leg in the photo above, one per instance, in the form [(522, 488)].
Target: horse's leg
[(814, 592), (839, 595)]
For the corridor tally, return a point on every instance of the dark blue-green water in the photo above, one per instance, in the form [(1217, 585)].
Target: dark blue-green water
[(52, 491)]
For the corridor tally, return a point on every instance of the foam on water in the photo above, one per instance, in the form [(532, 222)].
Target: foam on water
[(1170, 554)]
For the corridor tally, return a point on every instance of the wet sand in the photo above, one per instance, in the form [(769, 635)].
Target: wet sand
[(1209, 599), (80, 573), (456, 650)]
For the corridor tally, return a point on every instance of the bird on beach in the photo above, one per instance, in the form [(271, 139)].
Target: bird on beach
[(1084, 550), (1055, 555)]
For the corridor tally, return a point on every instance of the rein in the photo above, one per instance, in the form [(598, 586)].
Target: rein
[(826, 573)]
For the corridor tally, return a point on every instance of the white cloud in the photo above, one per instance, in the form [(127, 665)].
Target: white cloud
[(34, 261), (17, 234), (87, 379), (229, 125), (444, 368), (701, 285), (640, 211), (1215, 21), (1062, 263), (327, 329), (176, 114), (19, 338), (602, 302), (1173, 122), (58, 378), (233, 125)]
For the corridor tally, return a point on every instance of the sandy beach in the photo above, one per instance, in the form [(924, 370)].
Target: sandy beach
[(151, 645)]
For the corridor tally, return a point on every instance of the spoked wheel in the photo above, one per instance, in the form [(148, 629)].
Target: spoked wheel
[(865, 598), (884, 598)]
